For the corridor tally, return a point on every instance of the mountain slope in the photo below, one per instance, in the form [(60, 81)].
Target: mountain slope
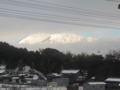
[(55, 38)]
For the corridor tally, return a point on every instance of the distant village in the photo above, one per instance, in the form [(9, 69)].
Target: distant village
[(27, 77)]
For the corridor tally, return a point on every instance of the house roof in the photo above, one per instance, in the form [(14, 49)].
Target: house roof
[(21, 74), (112, 80), (26, 69), (1, 71), (94, 83), (54, 74), (70, 71), (40, 74), (15, 77), (35, 77), (2, 67)]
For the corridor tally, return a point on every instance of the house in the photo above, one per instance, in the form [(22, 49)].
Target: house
[(53, 84), (72, 87), (32, 79), (22, 75), (6, 79), (2, 67), (66, 73), (73, 75), (81, 78), (112, 83), (2, 72), (51, 76), (16, 79), (94, 86), (41, 82), (61, 81), (26, 69)]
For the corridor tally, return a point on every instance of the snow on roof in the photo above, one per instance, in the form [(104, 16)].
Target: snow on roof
[(1, 71), (2, 67), (21, 74), (40, 74), (93, 83), (56, 74), (15, 77), (26, 69), (92, 77), (6, 75), (35, 77), (69, 71), (112, 80)]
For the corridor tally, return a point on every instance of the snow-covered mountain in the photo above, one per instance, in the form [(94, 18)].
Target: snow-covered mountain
[(55, 38)]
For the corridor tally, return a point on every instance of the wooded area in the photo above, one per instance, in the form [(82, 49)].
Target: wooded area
[(51, 60)]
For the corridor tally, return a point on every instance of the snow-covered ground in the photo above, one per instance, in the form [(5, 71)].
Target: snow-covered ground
[(27, 87)]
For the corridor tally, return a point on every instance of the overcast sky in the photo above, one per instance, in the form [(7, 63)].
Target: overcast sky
[(99, 19)]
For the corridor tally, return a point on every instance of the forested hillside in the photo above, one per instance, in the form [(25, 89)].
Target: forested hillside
[(51, 60)]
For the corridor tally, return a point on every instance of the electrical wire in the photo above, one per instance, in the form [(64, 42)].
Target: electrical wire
[(54, 16), (57, 21), (73, 8), (63, 10)]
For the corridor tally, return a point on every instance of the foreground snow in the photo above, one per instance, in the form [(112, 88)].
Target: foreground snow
[(28, 87)]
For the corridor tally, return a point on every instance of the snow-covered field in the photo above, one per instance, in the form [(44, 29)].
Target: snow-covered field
[(27, 87)]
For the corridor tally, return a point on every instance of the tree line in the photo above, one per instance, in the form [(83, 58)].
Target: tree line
[(50, 60)]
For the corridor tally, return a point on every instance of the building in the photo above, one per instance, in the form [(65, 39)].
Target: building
[(61, 81), (72, 87), (41, 82), (73, 75), (112, 83), (51, 76), (94, 86), (16, 79), (26, 75), (52, 84), (32, 79)]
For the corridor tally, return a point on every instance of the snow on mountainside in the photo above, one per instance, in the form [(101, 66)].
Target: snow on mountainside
[(55, 38)]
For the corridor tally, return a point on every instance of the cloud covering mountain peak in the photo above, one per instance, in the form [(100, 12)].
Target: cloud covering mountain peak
[(62, 38)]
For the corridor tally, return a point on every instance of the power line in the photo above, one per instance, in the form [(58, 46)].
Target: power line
[(70, 11), (73, 8), (56, 21), (53, 16)]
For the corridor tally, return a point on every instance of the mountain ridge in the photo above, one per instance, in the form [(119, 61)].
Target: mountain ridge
[(55, 38)]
